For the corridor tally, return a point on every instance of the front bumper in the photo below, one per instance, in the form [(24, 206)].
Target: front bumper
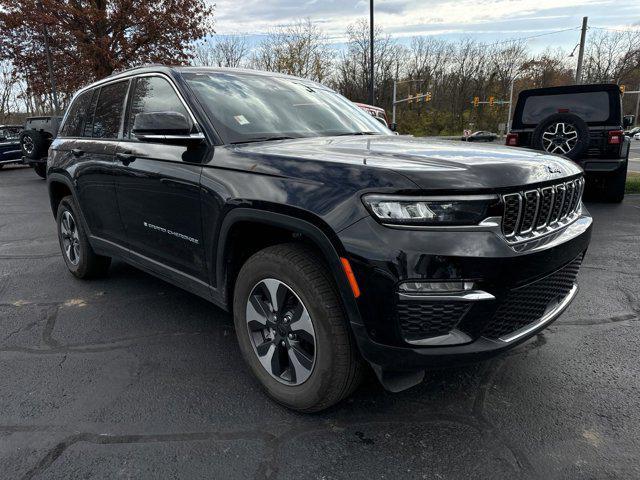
[(383, 257)]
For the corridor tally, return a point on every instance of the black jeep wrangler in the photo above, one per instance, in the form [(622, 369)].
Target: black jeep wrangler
[(333, 241), (583, 123), (35, 139)]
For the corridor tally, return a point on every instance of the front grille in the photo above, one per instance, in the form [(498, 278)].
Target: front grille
[(419, 319), (540, 211), (525, 305)]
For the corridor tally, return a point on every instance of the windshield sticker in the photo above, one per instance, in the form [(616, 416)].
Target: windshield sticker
[(241, 120)]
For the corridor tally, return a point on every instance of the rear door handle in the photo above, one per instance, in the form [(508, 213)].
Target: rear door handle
[(77, 152), (125, 158)]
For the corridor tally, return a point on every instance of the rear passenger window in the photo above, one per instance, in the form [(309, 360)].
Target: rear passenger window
[(154, 94), (108, 115), (78, 116)]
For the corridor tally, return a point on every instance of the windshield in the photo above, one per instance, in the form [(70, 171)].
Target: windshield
[(247, 108)]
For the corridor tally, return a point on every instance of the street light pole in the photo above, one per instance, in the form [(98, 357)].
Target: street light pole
[(508, 123), (371, 92), (638, 106), (393, 108)]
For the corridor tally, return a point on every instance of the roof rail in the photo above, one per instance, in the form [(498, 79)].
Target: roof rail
[(117, 72)]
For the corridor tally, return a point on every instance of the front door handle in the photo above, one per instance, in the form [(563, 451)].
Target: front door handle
[(77, 152), (125, 158)]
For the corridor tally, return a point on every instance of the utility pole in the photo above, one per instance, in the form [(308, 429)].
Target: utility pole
[(583, 36), (371, 92)]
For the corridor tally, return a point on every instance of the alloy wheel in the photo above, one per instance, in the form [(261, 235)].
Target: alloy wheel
[(70, 237), (559, 137), (281, 331)]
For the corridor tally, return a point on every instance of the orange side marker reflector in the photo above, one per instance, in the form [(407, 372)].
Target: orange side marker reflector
[(346, 266)]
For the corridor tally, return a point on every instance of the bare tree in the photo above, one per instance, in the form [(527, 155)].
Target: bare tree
[(300, 49), (612, 56), (221, 51), (352, 72)]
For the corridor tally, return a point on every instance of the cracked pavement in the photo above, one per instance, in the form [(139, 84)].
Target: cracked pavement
[(131, 377)]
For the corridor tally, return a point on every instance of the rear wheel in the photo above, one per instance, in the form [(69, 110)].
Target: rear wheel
[(41, 169), (292, 329), (614, 186), (80, 258)]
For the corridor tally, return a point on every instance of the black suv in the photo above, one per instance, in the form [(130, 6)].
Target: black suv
[(583, 123), (333, 241)]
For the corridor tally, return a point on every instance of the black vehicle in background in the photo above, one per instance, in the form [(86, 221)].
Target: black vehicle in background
[(581, 122), (10, 144), (333, 241), (480, 136), (35, 140)]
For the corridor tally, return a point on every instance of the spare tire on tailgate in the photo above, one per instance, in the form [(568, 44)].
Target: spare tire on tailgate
[(34, 144), (562, 133)]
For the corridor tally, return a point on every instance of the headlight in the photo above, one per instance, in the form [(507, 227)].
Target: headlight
[(459, 210)]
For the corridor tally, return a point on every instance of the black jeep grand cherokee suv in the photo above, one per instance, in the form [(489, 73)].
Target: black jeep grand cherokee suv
[(332, 240)]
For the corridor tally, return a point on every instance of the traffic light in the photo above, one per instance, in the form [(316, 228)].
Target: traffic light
[(622, 89), (476, 100), (419, 97), (491, 99), (410, 101), (427, 97)]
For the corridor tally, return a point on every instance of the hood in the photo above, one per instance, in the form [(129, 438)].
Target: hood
[(429, 163)]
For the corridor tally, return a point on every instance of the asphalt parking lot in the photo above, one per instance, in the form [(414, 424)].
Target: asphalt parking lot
[(131, 377)]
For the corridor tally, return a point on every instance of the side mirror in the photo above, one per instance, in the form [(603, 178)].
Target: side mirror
[(394, 127), (628, 121), (163, 126)]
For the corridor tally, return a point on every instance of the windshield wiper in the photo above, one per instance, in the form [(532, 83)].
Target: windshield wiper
[(264, 139), (356, 133)]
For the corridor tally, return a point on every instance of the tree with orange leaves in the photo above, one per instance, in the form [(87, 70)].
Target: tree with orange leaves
[(90, 39)]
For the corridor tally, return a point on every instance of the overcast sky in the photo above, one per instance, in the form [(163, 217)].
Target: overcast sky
[(485, 20)]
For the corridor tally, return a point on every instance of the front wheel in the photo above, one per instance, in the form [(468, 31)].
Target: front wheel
[(292, 329)]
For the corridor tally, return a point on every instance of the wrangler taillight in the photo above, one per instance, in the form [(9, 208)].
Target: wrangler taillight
[(615, 137), (512, 140)]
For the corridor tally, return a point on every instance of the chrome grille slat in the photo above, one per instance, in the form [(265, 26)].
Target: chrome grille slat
[(530, 210), (533, 213), (544, 211)]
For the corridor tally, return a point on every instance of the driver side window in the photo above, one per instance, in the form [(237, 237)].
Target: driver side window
[(153, 94)]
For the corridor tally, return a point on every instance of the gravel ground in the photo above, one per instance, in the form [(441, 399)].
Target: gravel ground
[(131, 377)]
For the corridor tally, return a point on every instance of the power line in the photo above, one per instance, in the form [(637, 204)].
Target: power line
[(534, 36), (617, 29)]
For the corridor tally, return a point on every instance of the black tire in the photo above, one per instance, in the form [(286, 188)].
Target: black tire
[(41, 169), (88, 264), (553, 143), (338, 366), (34, 144), (614, 185)]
